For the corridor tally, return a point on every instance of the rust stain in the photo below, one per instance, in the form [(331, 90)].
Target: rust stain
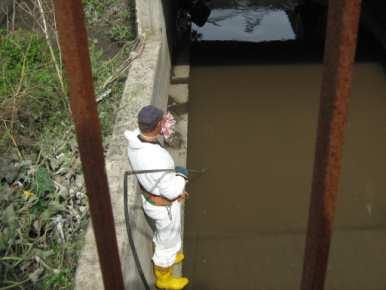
[(74, 46), (342, 28)]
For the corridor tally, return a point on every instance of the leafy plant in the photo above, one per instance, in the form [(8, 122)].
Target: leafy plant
[(39, 230), (43, 205), (29, 94), (43, 182), (115, 15)]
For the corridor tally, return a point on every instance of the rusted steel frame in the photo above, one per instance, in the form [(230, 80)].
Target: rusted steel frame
[(74, 46), (342, 28)]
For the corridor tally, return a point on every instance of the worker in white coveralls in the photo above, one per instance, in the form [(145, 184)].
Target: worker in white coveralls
[(162, 194)]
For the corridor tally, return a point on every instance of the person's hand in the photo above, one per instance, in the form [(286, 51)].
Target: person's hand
[(182, 171), (183, 197)]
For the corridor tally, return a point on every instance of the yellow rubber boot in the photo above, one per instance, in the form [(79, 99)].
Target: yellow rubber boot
[(179, 258), (165, 279)]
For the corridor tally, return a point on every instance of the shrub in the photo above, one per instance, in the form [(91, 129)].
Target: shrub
[(30, 97)]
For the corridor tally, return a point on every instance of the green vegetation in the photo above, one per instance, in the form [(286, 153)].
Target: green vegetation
[(30, 92), (43, 205), (119, 19)]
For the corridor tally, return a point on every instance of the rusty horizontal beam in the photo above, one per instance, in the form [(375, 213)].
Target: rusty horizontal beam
[(74, 47), (342, 29)]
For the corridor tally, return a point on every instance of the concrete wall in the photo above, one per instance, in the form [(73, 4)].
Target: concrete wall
[(147, 83)]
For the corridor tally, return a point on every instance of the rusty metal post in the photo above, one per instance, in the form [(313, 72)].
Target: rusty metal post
[(342, 28), (74, 46)]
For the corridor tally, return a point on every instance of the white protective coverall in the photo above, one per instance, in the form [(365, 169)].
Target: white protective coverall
[(145, 156)]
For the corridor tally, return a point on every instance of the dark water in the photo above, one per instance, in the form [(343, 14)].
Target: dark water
[(254, 128)]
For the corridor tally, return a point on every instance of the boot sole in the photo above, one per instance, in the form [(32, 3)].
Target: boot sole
[(168, 288)]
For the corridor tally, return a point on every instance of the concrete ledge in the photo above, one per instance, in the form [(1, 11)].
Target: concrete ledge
[(181, 70), (139, 91), (180, 74), (147, 83), (178, 95)]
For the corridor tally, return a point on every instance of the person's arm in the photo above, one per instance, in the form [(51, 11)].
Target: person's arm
[(183, 196), (167, 184), (171, 186)]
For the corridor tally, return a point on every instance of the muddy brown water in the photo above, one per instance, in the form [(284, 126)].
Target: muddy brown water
[(252, 123), (254, 128)]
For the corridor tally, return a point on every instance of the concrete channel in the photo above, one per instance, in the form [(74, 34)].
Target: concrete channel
[(252, 122), (248, 103)]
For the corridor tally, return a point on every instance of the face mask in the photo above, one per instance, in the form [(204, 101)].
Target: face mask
[(167, 125)]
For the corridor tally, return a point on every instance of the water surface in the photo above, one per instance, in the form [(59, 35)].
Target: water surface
[(248, 21), (254, 127)]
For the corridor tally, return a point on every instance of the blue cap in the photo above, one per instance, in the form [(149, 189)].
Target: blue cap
[(148, 118)]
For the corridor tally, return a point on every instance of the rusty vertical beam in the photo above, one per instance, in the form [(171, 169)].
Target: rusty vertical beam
[(74, 46), (342, 28)]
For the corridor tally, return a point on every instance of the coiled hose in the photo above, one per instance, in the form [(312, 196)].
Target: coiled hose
[(127, 217), (130, 233)]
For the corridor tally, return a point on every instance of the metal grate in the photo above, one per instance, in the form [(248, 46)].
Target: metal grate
[(340, 49)]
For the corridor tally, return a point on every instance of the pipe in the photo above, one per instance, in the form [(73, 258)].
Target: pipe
[(74, 47), (340, 46), (198, 171)]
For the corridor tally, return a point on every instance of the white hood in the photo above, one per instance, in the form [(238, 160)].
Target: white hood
[(147, 156), (132, 137)]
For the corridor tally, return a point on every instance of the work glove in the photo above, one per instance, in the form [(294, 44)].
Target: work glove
[(182, 171)]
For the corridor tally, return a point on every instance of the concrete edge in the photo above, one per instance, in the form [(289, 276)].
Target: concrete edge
[(179, 98), (139, 91), (147, 83)]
